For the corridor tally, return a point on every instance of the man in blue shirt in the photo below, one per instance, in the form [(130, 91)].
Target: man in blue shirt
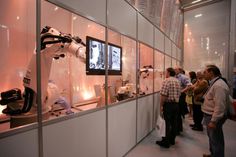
[(185, 84)]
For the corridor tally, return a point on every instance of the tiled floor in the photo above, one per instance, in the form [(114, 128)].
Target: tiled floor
[(189, 144)]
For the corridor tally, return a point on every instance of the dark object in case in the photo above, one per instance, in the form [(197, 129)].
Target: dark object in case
[(10, 96)]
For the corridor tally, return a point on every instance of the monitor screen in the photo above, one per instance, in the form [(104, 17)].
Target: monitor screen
[(95, 57)]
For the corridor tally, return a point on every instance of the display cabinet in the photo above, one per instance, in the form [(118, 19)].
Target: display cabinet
[(146, 70), (158, 70), (122, 85)]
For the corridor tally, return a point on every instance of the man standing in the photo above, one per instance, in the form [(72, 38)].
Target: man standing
[(199, 89), (183, 109), (214, 109), (170, 93)]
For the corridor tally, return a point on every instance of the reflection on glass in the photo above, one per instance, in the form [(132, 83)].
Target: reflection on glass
[(167, 62), (146, 70), (151, 9), (17, 45), (87, 91), (158, 70), (122, 87)]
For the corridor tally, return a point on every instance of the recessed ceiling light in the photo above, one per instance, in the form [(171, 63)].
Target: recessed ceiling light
[(193, 2), (198, 15)]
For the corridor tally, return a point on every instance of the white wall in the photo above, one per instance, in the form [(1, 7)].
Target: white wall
[(145, 116), (83, 136), (23, 144), (121, 128)]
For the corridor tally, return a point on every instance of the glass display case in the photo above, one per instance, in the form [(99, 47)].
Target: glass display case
[(17, 48), (122, 86), (158, 70), (167, 62), (146, 70), (74, 60)]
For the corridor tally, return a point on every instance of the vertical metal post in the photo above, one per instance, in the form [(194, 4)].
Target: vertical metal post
[(38, 69), (106, 76), (137, 75)]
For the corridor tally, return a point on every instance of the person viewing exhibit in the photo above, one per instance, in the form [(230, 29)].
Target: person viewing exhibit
[(79, 71), (215, 110), (170, 93)]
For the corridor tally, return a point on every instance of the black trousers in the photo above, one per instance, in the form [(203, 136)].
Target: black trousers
[(170, 112), (197, 115), (183, 109), (234, 93)]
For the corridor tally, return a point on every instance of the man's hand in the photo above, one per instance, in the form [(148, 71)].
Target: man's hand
[(212, 125)]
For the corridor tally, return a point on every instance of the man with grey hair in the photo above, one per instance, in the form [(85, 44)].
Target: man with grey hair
[(215, 109)]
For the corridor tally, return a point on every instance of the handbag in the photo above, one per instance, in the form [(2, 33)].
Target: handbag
[(160, 127)]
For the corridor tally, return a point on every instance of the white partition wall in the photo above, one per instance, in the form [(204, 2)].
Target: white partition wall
[(168, 46), (84, 136), (156, 111), (145, 116), (179, 54), (173, 50), (122, 17), (94, 9), (121, 128), (145, 30), (24, 144), (159, 40)]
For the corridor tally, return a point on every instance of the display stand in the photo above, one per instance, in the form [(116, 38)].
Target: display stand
[(27, 118)]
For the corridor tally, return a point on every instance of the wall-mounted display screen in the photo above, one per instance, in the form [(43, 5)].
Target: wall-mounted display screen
[(95, 57)]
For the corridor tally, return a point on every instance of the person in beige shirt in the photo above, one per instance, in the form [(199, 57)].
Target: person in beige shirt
[(199, 88), (214, 109)]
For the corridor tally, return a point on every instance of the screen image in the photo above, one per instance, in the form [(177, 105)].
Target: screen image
[(95, 57), (114, 55)]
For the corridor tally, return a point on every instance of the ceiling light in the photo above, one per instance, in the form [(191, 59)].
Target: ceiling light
[(193, 2), (198, 15), (56, 8)]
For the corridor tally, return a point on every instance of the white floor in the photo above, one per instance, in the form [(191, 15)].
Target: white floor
[(189, 144)]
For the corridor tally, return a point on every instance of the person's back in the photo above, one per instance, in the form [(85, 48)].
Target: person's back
[(169, 98)]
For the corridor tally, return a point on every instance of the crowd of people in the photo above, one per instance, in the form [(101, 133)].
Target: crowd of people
[(204, 96)]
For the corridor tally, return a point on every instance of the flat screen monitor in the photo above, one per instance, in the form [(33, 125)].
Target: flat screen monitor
[(95, 57)]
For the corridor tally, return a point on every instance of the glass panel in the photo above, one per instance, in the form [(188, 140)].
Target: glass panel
[(71, 87), (55, 80), (206, 36), (174, 20), (151, 9), (122, 53), (174, 62), (173, 51), (17, 47), (158, 70), (179, 54), (88, 89), (85, 7), (145, 30), (166, 16), (159, 40), (122, 17), (167, 62), (168, 46), (146, 70)]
